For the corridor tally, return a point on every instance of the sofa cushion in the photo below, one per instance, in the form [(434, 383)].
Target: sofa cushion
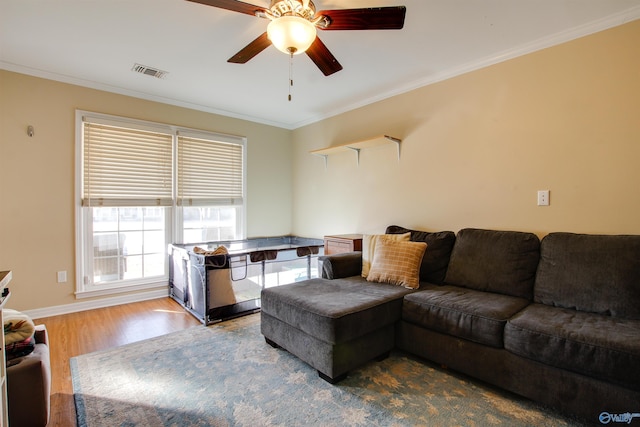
[(595, 345), (504, 262), (369, 243), (397, 263), (436, 259), (335, 311), (594, 273), (466, 313)]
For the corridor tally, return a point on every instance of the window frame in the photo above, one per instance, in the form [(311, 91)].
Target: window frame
[(174, 224)]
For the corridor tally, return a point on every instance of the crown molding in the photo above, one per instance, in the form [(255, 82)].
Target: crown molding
[(61, 78), (611, 21)]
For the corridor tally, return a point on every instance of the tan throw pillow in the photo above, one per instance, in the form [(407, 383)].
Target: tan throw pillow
[(397, 263), (369, 247)]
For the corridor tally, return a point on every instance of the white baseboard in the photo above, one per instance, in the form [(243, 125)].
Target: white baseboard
[(98, 303)]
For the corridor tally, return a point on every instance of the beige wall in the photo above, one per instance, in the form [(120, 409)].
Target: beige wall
[(478, 147), (37, 177)]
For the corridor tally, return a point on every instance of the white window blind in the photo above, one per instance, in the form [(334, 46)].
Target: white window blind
[(209, 172), (125, 166)]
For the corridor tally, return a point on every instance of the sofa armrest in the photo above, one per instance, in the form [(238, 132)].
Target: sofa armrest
[(29, 388), (341, 265), (41, 335)]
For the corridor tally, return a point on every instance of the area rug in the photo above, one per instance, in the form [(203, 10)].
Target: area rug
[(226, 375)]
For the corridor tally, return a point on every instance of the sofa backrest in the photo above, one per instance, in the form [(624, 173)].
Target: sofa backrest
[(503, 262), (436, 258), (592, 273)]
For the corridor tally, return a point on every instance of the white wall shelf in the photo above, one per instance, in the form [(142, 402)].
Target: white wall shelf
[(357, 146)]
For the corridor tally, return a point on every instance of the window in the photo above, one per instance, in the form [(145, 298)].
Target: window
[(210, 186), (143, 185)]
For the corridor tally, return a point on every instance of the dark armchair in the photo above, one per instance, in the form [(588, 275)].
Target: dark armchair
[(29, 385)]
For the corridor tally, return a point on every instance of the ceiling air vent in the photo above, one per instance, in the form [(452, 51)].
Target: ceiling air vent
[(149, 71)]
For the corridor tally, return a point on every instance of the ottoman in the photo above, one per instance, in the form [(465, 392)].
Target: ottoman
[(333, 325)]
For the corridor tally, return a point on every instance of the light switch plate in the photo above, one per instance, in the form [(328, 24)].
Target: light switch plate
[(62, 276), (543, 198)]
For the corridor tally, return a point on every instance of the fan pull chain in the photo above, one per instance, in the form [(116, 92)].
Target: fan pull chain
[(290, 74)]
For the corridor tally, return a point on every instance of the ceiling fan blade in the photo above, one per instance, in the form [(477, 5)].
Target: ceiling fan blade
[(251, 50), (373, 18), (235, 6), (324, 59)]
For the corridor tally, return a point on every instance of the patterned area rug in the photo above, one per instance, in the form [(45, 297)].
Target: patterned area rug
[(226, 375)]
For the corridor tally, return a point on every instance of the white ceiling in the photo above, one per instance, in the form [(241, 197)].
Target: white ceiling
[(95, 43)]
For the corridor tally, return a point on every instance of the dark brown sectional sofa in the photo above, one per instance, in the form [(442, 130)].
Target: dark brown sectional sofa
[(557, 320)]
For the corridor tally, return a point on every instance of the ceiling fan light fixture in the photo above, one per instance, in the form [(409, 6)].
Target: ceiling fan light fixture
[(291, 34)]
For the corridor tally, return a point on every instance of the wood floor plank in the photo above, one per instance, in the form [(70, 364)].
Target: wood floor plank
[(84, 332)]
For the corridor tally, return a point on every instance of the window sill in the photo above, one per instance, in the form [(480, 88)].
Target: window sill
[(98, 291)]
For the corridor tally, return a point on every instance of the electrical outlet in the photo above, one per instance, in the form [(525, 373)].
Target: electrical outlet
[(62, 276), (543, 198)]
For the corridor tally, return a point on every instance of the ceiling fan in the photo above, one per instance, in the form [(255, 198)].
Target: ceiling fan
[(293, 27)]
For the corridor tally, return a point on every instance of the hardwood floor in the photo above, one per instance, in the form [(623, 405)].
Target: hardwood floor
[(87, 331)]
